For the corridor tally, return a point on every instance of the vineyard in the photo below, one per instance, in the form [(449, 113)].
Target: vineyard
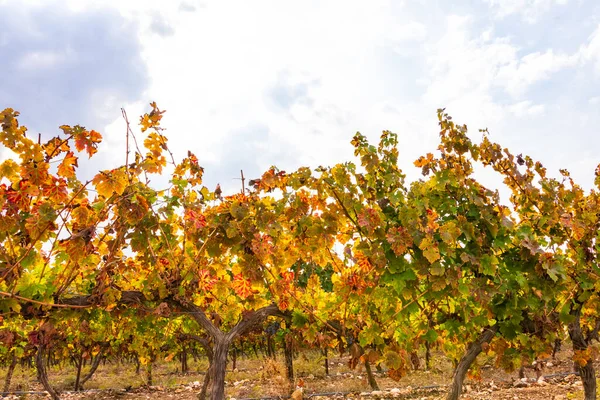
[(352, 265)]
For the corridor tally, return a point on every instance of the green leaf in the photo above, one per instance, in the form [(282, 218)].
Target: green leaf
[(437, 269), (565, 314), (299, 320), (29, 260), (489, 264), (238, 211), (413, 308), (431, 336), (47, 212), (509, 330), (554, 270), (393, 359), (408, 275)]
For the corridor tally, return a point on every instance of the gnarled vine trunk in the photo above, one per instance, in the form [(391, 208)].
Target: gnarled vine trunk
[(9, 374), (149, 381), (218, 369), (78, 365), (234, 358), (288, 351), (467, 359), (370, 377), (221, 341), (580, 343), (42, 374), (271, 353), (204, 390), (93, 368), (184, 359), (427, 356)]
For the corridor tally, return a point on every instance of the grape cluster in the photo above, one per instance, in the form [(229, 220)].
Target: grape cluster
[(272, 328)]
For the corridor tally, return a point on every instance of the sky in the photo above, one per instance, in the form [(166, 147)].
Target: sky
[(250, 84)]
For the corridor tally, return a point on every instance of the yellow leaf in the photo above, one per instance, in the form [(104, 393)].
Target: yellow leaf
[(430, 250), (109, 182), (81, 215), (449, 232), (156, 143), (235, 269), (9, 169)]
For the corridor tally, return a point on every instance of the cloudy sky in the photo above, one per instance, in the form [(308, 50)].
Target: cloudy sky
[(249, 84)]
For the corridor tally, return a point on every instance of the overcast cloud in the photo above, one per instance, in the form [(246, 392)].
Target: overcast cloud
[(252, 84), (68, 67)]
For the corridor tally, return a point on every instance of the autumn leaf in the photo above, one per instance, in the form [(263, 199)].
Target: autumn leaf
[(155, 143), (396, 360), (356, 283), (9, 169), (56, 190), (364, 265), (205, 280), (80, 142), (153, 163), (437, 270), (84, 140), (55, 146), (581, 357), (262, 245), (532, 245), (196, 218), (109, 182), (81, 215), (152, 119), (369, 218), (67, 167), (399, 239), (241, 286), (35, 172), (449, 232), (430, 250), (423, 161)]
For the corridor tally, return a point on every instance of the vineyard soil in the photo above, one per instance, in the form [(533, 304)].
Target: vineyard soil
[(259, 378)]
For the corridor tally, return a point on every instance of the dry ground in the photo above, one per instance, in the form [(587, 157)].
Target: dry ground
[(260, 378)]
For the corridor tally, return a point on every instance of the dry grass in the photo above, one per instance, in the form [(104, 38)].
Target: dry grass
[(260, 377)]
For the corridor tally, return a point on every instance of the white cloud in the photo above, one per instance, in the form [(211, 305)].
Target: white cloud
[(43, 59), (525, 108), (160, 26), (250, 84), (218, 79), (188, 7), (409, 31), (518, 75), (463, 69), (529, 10), (591, 51)]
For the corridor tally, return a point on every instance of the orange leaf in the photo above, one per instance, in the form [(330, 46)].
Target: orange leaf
[(241, 286), (67, 167)]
